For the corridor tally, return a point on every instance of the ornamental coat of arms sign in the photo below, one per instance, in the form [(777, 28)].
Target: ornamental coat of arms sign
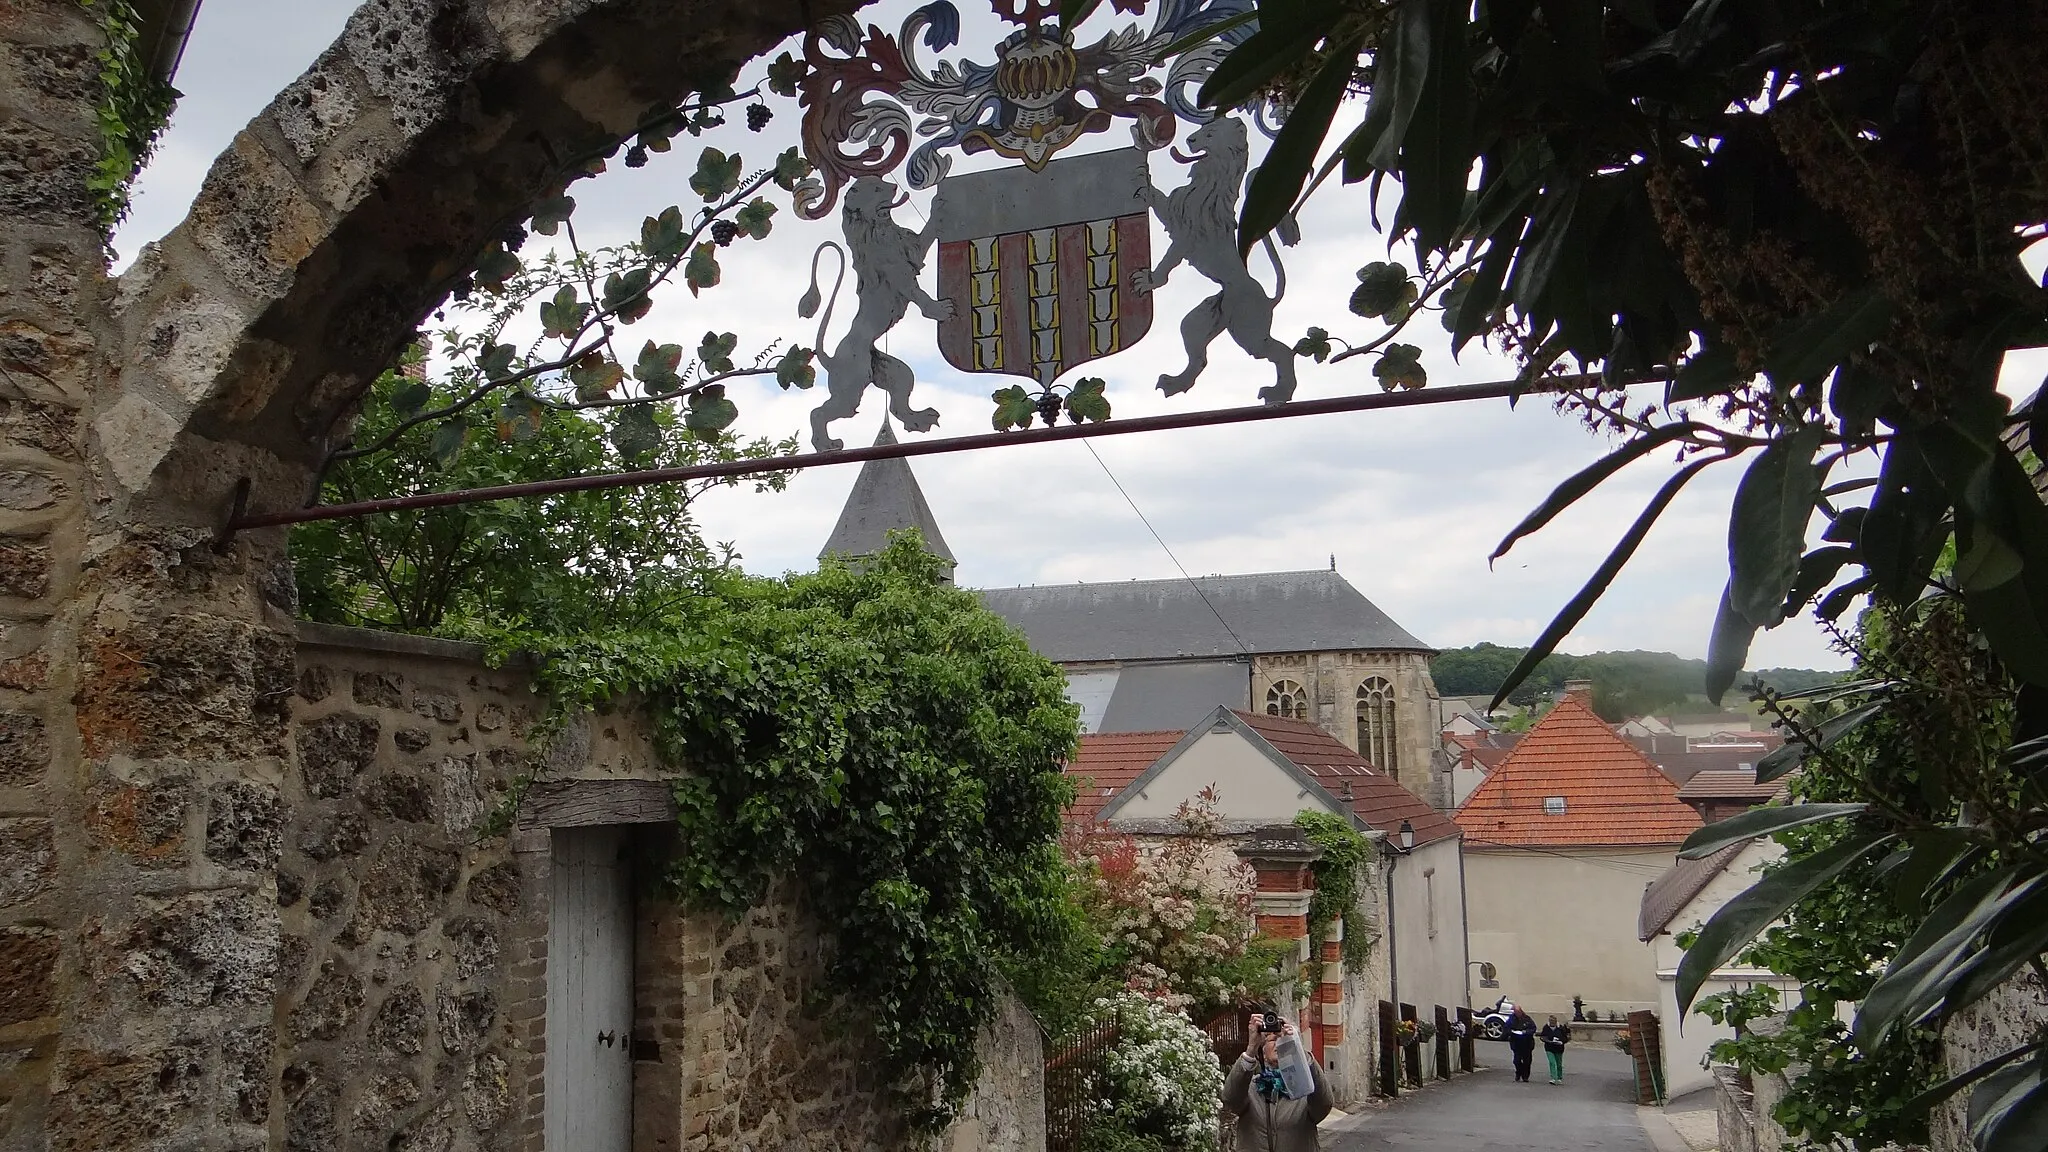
[(1037, 264), (1046, 263)]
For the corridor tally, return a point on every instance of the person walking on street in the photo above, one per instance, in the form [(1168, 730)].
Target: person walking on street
[(1267, 1120), (1522, 1042), (1555, 1037)]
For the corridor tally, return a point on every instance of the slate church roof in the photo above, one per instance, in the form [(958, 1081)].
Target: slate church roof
[(885, 498), (1317, 611)]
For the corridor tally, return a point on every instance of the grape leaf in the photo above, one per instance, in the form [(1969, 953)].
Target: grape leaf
[(795, 368), (715, 351), (716, 174), (753, 219), (1400, 366), (1014, 408), (700, 271), (710, 412), (1086, 403)]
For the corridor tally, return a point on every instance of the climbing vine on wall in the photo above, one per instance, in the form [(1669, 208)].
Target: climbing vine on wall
[(133, 108), (883, 738), (1341, 876)]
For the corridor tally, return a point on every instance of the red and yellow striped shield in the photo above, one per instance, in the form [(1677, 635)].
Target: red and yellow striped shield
[(1038, 264)]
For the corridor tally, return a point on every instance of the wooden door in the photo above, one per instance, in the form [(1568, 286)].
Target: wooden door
[(589, 1064)]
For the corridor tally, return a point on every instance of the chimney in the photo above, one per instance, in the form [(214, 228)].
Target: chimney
[(1583, 689)]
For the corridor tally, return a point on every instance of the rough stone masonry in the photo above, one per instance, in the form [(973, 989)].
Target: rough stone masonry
[(235, 908)]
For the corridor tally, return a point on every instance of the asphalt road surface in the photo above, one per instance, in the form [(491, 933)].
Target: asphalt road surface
[(1592, 1111)]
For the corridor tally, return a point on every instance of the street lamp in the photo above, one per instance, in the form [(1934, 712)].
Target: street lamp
[(1407, 835)]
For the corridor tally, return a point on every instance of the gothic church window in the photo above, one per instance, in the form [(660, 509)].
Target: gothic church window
[(1376, 724), (1286, 698)]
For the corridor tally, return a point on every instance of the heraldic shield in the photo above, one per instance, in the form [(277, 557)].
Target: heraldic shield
[(1037, 265)]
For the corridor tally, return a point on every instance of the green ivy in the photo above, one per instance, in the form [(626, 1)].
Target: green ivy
[(879, 735), (133, 108), (1342, 873)]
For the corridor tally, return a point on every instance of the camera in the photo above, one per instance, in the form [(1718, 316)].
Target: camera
[(1272, 1024)]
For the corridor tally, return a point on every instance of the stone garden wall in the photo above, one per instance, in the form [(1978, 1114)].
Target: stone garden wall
[(411, 989)]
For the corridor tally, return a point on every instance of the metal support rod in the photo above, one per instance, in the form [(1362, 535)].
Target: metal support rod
[(1447, 394)]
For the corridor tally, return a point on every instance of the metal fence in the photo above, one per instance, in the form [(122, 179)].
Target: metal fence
[(1070, 1067)]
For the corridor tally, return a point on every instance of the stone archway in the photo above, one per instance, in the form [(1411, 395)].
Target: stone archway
[(144, 673)]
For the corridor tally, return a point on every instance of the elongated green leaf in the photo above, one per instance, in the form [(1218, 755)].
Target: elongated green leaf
[(1901, 533), (1712, 371), (1400, 70), (2014, 943), (1739, 920), (1277, 183), (1436, 156), (1072, 12), (1761, 822), (1793, 753), (1588, 478), (1815, 346), (1925, 1101), (1927, 959), (1199, 36), (2010, 1112), (1277, 45), (1727, 648), (1767, 526), (1569, 616)]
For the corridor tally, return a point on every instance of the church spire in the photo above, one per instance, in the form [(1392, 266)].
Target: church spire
[(885, 498)]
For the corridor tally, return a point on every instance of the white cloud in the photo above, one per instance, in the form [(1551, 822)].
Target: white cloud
[(1409, 501)]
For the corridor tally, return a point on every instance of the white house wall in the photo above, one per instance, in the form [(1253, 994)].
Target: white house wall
[(1250, 786), (1687, 1039), (1428, 936), (1559, 924)]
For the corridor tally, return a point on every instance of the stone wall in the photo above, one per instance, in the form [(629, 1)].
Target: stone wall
[(146, 663), (2010, 1016), (411, 1001), (1332, 680)]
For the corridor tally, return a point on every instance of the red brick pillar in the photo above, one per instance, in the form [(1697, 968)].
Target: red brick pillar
[(1281, 854)]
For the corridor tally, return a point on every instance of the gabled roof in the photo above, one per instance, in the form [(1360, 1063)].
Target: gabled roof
[(1107, 762), (1316, 611), (1668, 894), (1315, 759), (1613, 796), (885, 498), (1376, 798)]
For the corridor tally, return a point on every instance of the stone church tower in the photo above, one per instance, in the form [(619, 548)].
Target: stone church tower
[(1157, 655)]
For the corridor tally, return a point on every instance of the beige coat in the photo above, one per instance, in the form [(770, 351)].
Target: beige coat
[(1281, 1126)]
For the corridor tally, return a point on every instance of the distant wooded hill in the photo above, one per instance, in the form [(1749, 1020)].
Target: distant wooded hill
[(1624, 683)]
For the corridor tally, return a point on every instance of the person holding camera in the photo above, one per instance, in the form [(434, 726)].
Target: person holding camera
[(1267, 1119)]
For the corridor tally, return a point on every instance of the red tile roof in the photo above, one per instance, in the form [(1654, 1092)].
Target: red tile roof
[(1377, 798), (1613, 796), (1107, 762)]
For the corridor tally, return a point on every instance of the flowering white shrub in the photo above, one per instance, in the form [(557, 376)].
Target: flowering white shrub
[(1179, 928), (1160, 1080)]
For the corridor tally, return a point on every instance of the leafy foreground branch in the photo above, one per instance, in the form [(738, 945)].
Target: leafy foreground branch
[(880, 736)]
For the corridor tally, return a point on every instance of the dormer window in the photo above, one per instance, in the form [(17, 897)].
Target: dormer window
[(1553, 805)]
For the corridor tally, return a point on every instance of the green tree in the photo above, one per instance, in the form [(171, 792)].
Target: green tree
[(1807, 217), (552, 564)]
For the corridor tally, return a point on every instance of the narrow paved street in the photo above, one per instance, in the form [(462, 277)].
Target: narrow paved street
[(1592, 1111)]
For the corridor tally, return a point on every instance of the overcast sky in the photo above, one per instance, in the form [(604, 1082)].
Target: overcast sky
[(1409, 503)]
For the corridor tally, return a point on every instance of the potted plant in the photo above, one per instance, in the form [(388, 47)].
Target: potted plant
[(1407, 1032)]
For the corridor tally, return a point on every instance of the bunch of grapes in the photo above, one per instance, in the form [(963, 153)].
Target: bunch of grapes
[(1049, 407), (758, 116), (723, 231)]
